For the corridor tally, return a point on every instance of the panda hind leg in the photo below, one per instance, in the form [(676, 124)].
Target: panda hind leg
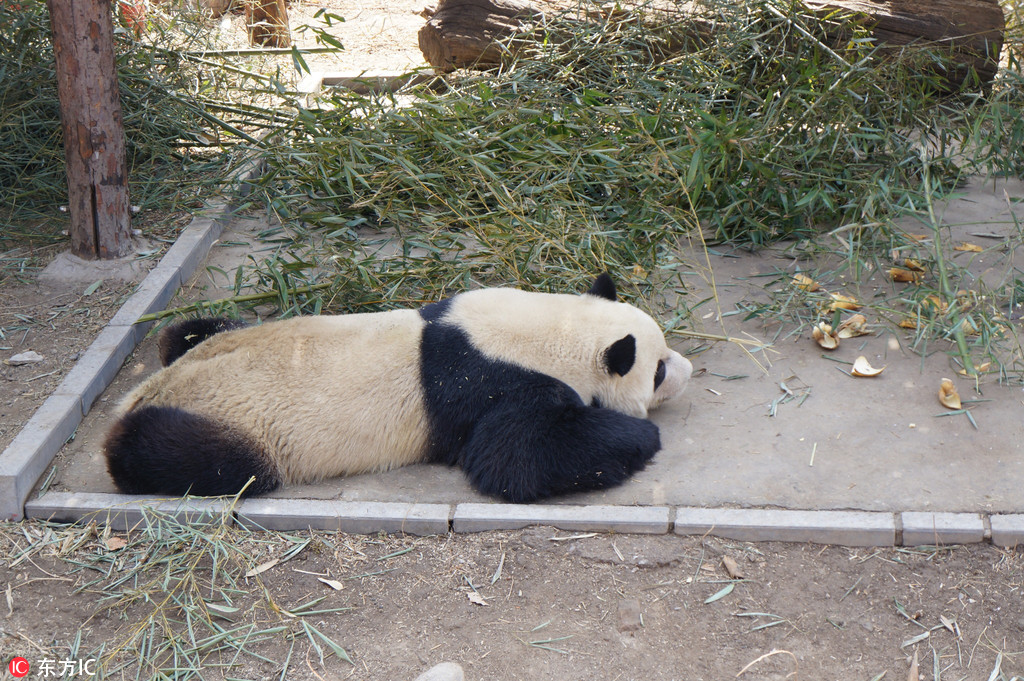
[(177, 339), (166, 450), (573, 449)]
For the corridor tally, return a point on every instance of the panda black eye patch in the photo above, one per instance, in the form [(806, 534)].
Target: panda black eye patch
[(659, 374)]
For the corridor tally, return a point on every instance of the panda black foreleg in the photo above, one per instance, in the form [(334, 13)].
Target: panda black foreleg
[(179, 338), (165, 450), (522, 456)]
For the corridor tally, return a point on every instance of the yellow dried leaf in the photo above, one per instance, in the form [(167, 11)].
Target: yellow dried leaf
[(968, 247), (822, 334), (857, 325), (841, 302), (932, 304), (863, 368), (918, 237), (805, 283), (903, 275), (911, 264), (948, 394), (908, 323), (978, 369)]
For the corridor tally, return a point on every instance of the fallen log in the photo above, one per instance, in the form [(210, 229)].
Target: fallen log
[(475, 33)]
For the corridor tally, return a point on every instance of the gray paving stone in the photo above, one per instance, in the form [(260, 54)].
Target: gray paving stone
[(25, 460), (123, 511), (937, 529), (193, 245), (630, 519), (356, 517), (152, 295), (99, 364), (1008, 530), (846, 528)]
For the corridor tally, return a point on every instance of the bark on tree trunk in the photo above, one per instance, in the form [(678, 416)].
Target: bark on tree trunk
[(268, 23), (94, 144), (463, 33)]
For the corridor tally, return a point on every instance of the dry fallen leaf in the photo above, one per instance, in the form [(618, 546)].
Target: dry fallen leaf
[(913, 674), (115, 543), (978, 369), (863, 368), (822, 334), (841, 302), (908, 323), (333, 583), (475, 598), (805, 283), (948, 395), (263, 567), (912, 264), (932, 304), (857, 325), (968, 247), (904, 275), (732, 568)]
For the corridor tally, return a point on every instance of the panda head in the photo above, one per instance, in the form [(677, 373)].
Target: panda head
[(638, 369), (611, 353)]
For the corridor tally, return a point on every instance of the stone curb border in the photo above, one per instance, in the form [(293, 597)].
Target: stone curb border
[(25, 460), (845, 528)]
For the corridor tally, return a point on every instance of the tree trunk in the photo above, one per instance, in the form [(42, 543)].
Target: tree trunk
[(464, 33), (268, 23), (90, 112)]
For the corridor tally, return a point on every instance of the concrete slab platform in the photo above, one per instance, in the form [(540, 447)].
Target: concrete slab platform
[(122, 512), (354, 517), (1008, 530), (846, 528), (941, 529), (848, 461), (627, 519)]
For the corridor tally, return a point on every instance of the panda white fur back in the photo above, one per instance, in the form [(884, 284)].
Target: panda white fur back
[(531, 394)]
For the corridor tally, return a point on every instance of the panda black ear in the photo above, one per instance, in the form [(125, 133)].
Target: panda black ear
[(620, 355), (603, 287)]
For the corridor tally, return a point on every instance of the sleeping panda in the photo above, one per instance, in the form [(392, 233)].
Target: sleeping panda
[(531, 394)]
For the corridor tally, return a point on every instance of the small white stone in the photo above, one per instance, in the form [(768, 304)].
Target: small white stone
[(446, 671), (30, 357)]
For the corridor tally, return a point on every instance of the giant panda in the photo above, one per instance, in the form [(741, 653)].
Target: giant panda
[(531, 394)]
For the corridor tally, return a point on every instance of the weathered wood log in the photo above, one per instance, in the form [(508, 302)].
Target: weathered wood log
[(90, 116), (267, 21), (969, 32), (467, 33)]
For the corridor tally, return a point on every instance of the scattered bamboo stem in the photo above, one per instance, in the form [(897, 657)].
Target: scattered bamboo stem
[(245, 298)]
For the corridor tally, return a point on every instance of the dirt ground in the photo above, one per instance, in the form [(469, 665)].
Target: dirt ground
[(533, 604), (544, 604)]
